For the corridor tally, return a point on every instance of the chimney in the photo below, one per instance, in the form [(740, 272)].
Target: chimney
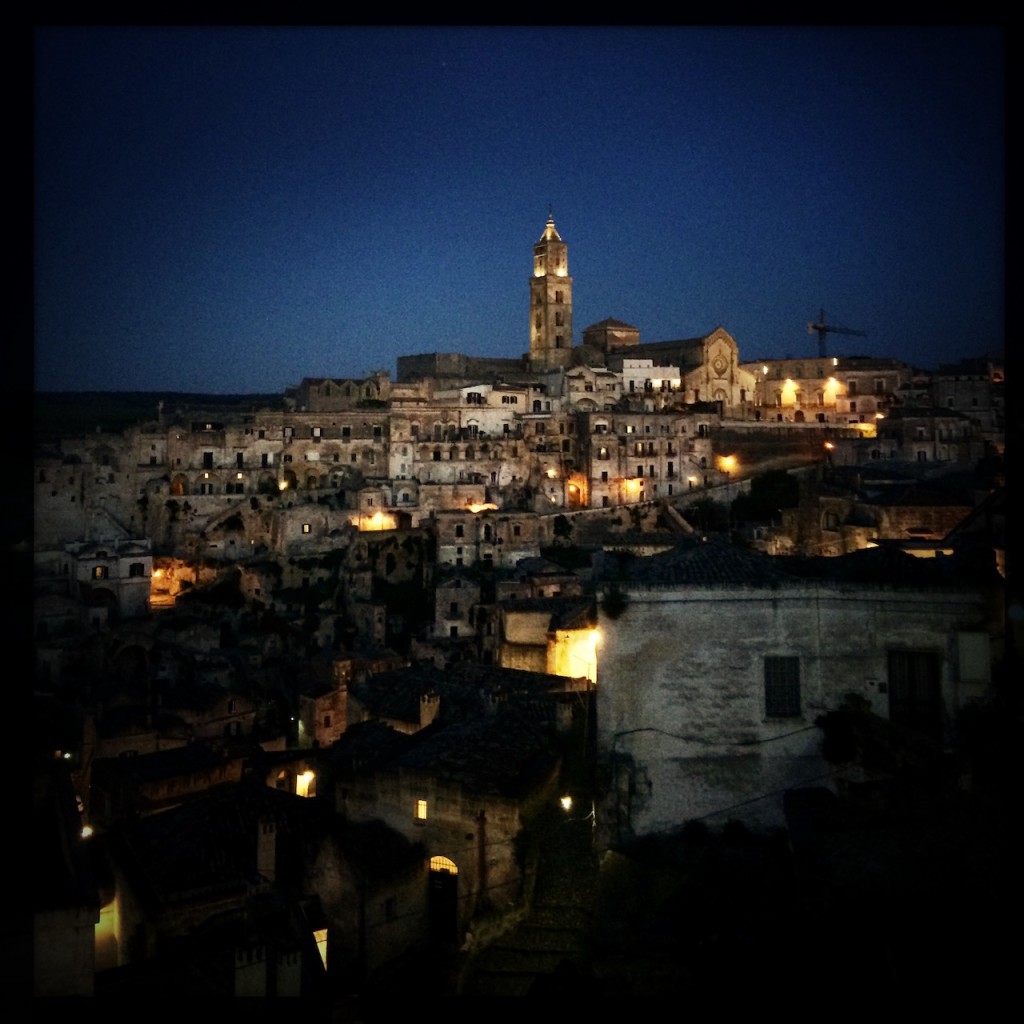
[(430, 704), (266, 849)]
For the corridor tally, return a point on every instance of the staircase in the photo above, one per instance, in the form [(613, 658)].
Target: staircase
[(547, 951)]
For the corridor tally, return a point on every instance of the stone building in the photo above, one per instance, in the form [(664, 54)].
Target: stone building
[(630, 457), (837, 390), (473, 758), (718, 721)]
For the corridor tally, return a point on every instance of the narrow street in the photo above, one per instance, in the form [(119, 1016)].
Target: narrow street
[(547, 952)]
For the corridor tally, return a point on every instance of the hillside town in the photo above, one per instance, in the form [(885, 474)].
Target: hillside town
[(565, 673)]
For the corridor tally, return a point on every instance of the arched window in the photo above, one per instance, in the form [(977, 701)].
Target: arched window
[(443, 864)]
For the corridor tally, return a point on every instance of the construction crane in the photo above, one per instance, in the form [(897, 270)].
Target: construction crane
[(821, 329)]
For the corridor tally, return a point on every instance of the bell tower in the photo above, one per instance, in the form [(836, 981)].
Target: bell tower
[(550, 302)]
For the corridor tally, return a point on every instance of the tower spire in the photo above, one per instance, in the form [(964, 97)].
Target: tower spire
[(550, 301)]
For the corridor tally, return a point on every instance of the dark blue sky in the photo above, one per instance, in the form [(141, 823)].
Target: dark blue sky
[(233, 209)]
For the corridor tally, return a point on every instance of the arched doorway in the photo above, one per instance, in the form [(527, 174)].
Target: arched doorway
[(443, 900)]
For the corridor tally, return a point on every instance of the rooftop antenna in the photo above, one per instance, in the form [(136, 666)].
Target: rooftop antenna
[(822, 328)]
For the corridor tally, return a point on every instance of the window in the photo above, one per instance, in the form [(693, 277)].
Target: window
[(99, 572), (782, 687), (207, 460), (136, 569), (306, 528), (421, 810), (915, 699)]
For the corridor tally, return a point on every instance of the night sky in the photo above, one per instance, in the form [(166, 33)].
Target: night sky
[(229, 210)]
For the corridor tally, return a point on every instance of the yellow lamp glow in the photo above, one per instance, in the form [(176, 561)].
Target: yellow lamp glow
[(304, 782)]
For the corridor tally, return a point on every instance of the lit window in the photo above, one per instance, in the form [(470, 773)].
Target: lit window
[(306, 528), (421, 810), (320, 937), (99, 572)]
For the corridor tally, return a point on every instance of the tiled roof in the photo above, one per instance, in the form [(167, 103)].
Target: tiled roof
[(208, 844), (697, 563), (508, 752), (192, 758), (610, 322), (694, 562)]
